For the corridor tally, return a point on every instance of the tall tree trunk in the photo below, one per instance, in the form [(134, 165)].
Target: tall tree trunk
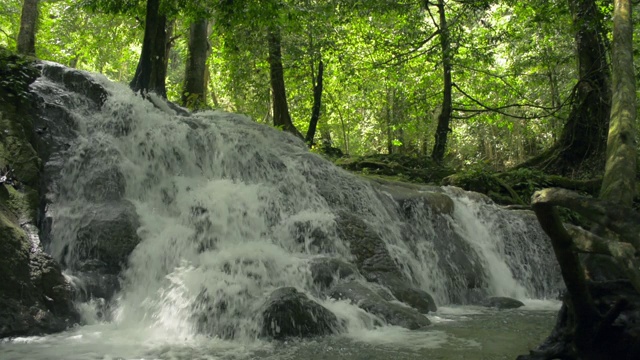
[(151, 71), (584, 134), (281, 116), (169, 42), (28, 22), (317, 103), (444, 119), (389, 116), (193, 94), (582, 143), (619, 182)]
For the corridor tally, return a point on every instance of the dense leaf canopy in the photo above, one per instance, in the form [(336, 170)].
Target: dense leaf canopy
[(514, 67)]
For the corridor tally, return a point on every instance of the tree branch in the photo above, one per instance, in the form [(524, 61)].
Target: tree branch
[(500, 108)]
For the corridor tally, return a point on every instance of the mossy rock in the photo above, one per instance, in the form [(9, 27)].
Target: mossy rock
[(16, 73), (14, 261), (16, 125)]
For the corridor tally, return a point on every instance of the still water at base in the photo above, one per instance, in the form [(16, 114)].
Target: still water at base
[(456, 333)]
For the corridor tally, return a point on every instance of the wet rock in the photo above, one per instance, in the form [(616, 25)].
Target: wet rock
[(461, 267), (75, 80), (435, 203), (602, 267), (372, 302), (47, 276), (370, 251), (35, 298), (315, 239), (105, 185), (619, 340), (405, 292), (93, 281), (376, 264), (289, 313), (324, 271), (110, 235), (502, 303)]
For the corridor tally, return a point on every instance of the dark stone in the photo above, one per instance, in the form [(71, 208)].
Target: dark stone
[(289, 313), (35, 297), (461, 267), (325, 270), (602, 267), (500, 302), (407, 293), (110, 235), (376, 264), (370, 251), (620, 340), (76, 81), (372, 302)]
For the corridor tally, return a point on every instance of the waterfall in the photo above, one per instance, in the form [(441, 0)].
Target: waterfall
[(207, 214)]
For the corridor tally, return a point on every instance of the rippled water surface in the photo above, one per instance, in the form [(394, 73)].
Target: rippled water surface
[(457, 333)]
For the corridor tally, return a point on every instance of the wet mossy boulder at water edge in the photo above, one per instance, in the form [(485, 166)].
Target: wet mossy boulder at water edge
[(35, 298), (289, 313)]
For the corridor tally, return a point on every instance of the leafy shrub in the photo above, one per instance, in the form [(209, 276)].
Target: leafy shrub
[(16, 73)]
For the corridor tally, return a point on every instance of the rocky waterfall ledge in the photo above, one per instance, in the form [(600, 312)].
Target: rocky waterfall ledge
[(35, 297), (74, 195)]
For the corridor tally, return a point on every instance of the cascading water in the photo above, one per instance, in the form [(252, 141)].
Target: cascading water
[(218, 211)]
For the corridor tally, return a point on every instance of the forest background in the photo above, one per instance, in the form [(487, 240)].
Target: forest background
[(472, 84)]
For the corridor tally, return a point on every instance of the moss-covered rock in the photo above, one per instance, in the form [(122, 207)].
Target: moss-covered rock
[(35, 298)]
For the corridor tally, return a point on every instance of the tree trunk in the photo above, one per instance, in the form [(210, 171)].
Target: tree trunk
[(151, 71), (193, 94), (445, 116), (28, 22), (619, 182), (317, 102), (281, 116), (389, 116), (169, 41), (582, 143)]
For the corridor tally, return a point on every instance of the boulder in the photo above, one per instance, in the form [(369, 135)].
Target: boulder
[(75, 80), (368, 248), (602, 267), (289, 313), (618, 340), (35, 298), (324, 271), (376, 264), (502, 303), (109, 237), (372, 302), (407, 293)]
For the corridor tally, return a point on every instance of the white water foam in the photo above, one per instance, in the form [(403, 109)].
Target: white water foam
[(228, 212)]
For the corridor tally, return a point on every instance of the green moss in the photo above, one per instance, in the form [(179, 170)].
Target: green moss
[(14, 262), (397, 167), (15, 149), (16, 73), (22, 204)]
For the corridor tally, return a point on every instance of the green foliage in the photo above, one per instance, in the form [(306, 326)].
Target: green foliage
[(16, 73), (526, 181), (513, 66)]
